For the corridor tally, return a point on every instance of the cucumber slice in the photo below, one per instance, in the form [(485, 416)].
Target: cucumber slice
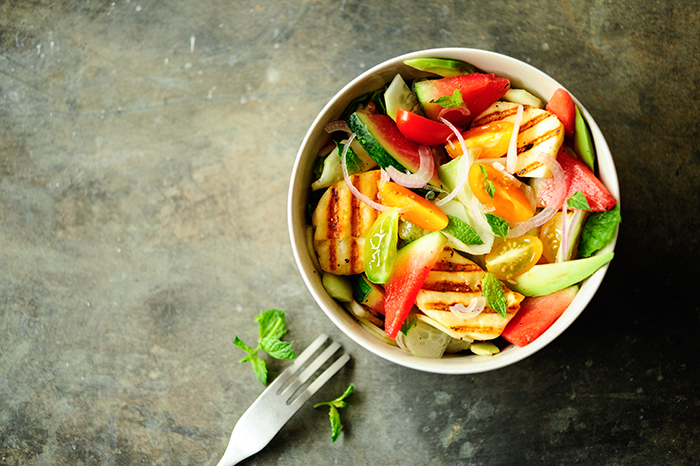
[(398, 95), (441, 66), (368, 294), (523, 97), (338, 287), (425, 341), (583, 144)]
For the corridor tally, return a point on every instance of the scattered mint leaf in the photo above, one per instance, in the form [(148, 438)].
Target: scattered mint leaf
[(499, 226), (462, 231), (453, 101), (334, 414), (598, 231), (272, 327), (492, 289), (489, 187), (578, 201)]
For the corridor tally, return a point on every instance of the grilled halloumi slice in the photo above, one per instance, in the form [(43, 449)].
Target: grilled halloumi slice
[(340, 223), (540, 132), (455, 279)]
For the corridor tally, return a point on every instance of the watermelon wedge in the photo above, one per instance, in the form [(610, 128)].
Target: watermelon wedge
[(411, 268), (536, 315), (578, 178), (478, 91)]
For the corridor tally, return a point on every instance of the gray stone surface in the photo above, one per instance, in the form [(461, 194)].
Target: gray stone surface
[(145, 154)]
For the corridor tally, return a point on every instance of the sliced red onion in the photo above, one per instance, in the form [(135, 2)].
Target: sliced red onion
[(464, 174), (567, 235), (419, 179), (478, 210), (444, 111), (512, 156), (498, 166), (558, 197), (384, 177), (348, 182), (476, 306), (564, 245), (337, 125)]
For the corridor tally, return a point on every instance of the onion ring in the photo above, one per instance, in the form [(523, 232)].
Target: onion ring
[(419, 179), (337, 125), (558, 197), (476, 306), (348, 181)]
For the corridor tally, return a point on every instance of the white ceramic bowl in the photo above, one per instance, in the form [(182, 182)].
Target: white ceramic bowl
[(521, 75)]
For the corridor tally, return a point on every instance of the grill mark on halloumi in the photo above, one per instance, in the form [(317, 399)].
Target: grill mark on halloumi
[(340, 222)]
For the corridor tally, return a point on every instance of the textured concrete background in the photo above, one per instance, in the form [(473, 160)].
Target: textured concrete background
[(145, 153)]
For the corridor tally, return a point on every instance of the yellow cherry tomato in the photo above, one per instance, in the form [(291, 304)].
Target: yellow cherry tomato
[(412, 207), (490, 141), (550, 235), (496, 190), (514, 256)]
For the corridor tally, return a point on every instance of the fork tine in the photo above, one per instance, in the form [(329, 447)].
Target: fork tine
[(309, 371), (320, 381), (298, 362)]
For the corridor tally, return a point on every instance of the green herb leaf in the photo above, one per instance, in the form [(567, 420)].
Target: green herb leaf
[(334, 414), (408, 324), (499, 226), (260, 369), (277, 349), (240, 345), (489, 187), (453, 101), (492, 289), (272, 324), (598, 231), (272, 327), (462, 231), (578, 201)]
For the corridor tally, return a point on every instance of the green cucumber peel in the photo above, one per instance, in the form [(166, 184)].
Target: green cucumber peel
[(444, 67), (583, 144)]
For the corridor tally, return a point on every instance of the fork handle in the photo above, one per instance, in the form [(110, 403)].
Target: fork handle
[(232, 456)]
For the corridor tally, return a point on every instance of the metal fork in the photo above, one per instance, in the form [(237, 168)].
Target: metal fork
[(271, 411)]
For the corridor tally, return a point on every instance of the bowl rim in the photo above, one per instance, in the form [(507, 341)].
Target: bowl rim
[(488, 61)]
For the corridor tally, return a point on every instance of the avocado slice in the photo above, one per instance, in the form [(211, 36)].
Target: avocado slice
[(583, 144), (441, 66), (545, 279)]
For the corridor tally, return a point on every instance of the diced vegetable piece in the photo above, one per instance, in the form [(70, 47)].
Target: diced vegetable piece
[(339, 287), (523, 97), (536, 315), (380, 246), (484, 348), (368, 294), (383, 141), (488, 141), (544, 279), (562, 105), (514, 256), (413, 263), (413, 208), (399, 96), (583, 144), (420, 129), (425, 341)]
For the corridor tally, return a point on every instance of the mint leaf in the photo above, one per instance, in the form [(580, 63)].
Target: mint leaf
[(462, 231), (334, 414), (453, 101), (277, 349), (499, 226), (260, 369), (240, 345), (272, 327), (272, 324), (598, 231), (492, 289), (578, 201), (489, 187)]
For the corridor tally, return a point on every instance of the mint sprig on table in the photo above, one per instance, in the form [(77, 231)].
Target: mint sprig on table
[(334, 414), (273, 327)]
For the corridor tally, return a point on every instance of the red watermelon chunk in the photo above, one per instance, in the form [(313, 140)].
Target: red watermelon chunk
[(478, 91), (562, 106), (536, 315), (578, 178)]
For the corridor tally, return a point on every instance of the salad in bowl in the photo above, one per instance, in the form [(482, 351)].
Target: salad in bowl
[(451, 212)]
